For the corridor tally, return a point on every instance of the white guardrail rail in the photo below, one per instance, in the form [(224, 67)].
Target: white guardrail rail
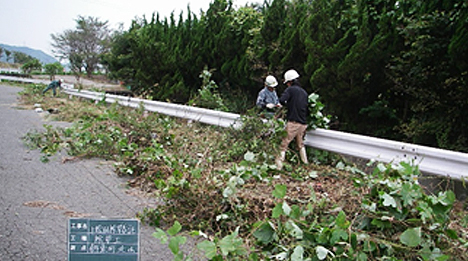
[(430, 160)]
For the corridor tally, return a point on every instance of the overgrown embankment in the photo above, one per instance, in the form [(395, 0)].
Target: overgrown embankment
[(222, 183)]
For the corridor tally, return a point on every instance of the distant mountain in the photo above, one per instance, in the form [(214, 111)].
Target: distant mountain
[(38, 54)]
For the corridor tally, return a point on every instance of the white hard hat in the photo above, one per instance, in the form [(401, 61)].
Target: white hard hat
[(271, 81), (61, 80), (290, 75)]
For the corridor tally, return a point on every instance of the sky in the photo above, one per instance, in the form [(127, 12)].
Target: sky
[(30, 23)]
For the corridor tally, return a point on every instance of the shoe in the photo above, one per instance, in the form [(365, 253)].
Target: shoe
[(303, 154), (279, 160)]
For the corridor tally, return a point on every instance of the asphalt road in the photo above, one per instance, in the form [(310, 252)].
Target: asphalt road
[(37, 199)]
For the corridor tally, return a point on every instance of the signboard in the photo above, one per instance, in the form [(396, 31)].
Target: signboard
[(103, 239)]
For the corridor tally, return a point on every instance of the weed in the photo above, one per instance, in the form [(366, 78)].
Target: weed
[(222, 183), (208, 96)]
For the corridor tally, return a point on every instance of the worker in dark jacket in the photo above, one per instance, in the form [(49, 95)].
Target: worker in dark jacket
[(295, 98), (53, 85)]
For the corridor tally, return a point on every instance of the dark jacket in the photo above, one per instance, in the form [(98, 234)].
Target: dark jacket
[(55, 84), (296, 100)]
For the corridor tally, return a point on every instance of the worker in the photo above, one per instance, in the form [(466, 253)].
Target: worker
[(267, 99), (53, 85), (295, 99)]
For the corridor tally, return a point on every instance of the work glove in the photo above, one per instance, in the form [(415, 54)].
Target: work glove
[(270, 105)]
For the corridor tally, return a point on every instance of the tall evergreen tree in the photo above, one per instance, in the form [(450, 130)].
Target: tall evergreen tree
[(384, 68), (429, 79), (269, 51)]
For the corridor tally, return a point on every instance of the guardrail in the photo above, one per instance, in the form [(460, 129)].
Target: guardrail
[(10, 70), (18, 79), (430, 160), (212, 117), (30, 80)]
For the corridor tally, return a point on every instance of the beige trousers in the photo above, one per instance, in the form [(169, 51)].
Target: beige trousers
[(294, 130)]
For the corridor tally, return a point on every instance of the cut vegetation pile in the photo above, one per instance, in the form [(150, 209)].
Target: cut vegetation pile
[(222, 184)]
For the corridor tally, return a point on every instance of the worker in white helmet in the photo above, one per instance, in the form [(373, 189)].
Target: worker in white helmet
[(295, 99), (267, 99)]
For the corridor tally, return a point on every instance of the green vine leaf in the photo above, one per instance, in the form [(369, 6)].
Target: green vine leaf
[(409, 194), (337, 235), (298, 254), (388, 200), (249, 156), (174, 229), (161, 235), (265, 233), (277, 211), (341, 220), (322, 252), (286, 209), (208, 247), (175, 242), (295, 230), (411, 237), (280, 191), (231, 244)]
